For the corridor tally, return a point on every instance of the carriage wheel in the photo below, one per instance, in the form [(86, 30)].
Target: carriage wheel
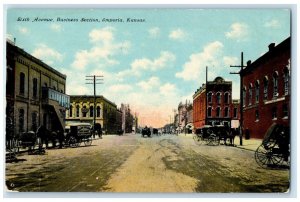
[(213, 140), (73, 142), (266, 158), (197, 140), (88, 141)]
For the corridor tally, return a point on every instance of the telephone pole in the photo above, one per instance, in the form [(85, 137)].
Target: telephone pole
[(241, 94), (93, 79)]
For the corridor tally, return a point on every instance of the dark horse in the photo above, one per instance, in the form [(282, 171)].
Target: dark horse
[(46, 135)]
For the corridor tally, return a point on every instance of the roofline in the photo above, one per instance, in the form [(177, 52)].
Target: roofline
[(92, 96)]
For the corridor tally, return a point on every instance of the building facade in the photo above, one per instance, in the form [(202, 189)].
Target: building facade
[(185, 117), (266, 90), (212, 103), (82, 109), (35, 93)]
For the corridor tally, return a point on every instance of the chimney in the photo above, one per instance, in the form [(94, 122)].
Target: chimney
[(271, 46), (248, 62), (15, 41)]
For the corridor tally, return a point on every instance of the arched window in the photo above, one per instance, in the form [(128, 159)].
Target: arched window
[(98, 111), (286, 78), (22, 83), (285, 111), (218, 98), (226, 98), (250, 94), (91, 111), (218, 112), (209, 97), (77, 111), (71, 111), (34, 121), (209, 112), (274, 113), (235, 112), (34, 87), (244, 96), (257, 91), (226, 112), (21, 120), (266, 84), (84, 111), (275, 84)]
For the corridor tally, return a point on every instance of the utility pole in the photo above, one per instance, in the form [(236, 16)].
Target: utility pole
[(205, 122), (93, 79), (241, 94)]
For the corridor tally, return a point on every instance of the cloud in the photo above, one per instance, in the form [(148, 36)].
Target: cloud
[(167, 89), (230, 60), (104, 48), (154, 32), (150, 84), (120, 88), (237, 31), (177, 34), (23, 30), (166, 58), (55, 27), (272, 24), (195, 67), (47, 54)]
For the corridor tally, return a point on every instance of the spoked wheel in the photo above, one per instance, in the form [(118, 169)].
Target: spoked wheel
[(213, 140), (73, 142), (265, 157), (88, 141), (197, 140)]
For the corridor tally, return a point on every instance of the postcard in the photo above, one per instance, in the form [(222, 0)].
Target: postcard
[(148, 100)]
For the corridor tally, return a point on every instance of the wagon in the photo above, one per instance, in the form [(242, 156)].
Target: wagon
[(274, 150), (146, 132), (206, 135), (76, 133)]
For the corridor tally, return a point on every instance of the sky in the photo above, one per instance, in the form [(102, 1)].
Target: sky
[(154, 62)]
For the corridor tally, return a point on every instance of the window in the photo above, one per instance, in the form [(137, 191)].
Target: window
[(285, 111), (34, 121), (244, 96), (84, 111), (275, 85), (21, 120), (209, 112), (286, 75), (91, 111), (250, 94), (209, 97), (22, 83), (218, 112), (71, 111), (274, 113), (266, 84), (77, 111), (34, 87), (218, 98), (256, 115), (226, 98), (257, 91), (98, 111), (235, 110), (226, 112)]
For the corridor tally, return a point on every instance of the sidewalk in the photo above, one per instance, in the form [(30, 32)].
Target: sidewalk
[(250, 144)]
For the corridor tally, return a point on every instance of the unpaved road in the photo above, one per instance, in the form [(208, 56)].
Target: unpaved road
[(131, 163)]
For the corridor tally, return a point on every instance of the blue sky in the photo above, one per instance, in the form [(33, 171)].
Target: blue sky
[(152, 65)]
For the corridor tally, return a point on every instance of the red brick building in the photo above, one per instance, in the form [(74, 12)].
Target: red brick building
[(218, 110), (266, 90)]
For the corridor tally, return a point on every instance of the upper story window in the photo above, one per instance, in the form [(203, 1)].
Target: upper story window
[(218, 98), (226, 112), (235, 112), (244, 96), (71, 111), (266, 84), (226, 98), (84, 111), (77, 111), (34, 87), (257, 91), (34, 121), (275, 84), (286, 79), (21, 120), (98, 111), (209, 97), (218, 112), (209, 112), (22, 83), (91, 111), (274, 113), (285, 111), (256, 115), (250, 94)]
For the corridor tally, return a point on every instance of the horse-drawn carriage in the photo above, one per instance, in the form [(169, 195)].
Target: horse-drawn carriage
[(213, 135), (76, 133), (146, 132), (274, 150)]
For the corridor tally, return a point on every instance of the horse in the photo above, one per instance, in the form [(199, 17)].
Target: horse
[(46, 135)]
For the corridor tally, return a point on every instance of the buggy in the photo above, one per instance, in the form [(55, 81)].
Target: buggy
[(76, 133), (274, 150)]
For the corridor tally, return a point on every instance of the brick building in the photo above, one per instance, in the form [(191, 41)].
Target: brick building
[(185, 118), (35, 93), (266, 90), (218, 108)]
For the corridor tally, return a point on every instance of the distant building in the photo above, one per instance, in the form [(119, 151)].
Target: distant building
[(128, 124), (82, 110), (35, 93), (266, 90), (212, 104), (185, 118)]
